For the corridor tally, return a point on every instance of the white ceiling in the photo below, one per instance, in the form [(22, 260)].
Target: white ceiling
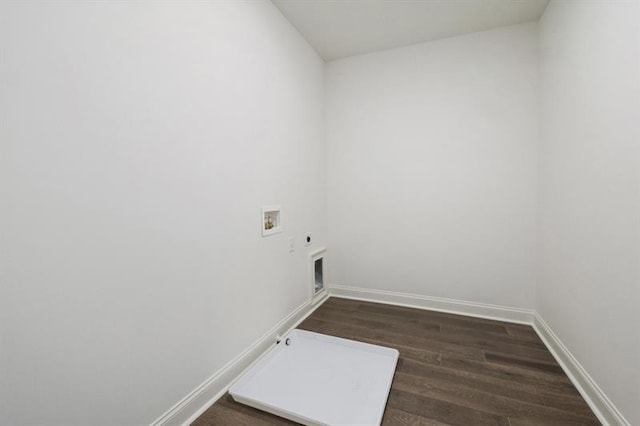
[(339, 28)]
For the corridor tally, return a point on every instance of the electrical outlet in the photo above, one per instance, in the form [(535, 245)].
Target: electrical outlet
[(292, 245), (307, 239)]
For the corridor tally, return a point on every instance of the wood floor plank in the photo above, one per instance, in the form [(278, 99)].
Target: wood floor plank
[(533, 421), (523, 332), (486, 401), (393, 417), (443, 411), (452, 370), (499, 337), (460, 321), (412, 326), (549, 367)]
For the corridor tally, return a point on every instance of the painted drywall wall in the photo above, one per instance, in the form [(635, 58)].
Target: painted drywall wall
[(432, 168), (589, 285), (139, 141)]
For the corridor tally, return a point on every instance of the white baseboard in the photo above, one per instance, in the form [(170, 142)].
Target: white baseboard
[(201, 398), (602, 407), (480, 310)]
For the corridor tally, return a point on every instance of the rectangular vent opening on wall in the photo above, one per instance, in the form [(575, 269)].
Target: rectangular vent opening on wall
[(271, 219), (317, 274)]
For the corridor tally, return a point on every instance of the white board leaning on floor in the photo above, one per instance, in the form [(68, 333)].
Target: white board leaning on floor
[(316, 379)]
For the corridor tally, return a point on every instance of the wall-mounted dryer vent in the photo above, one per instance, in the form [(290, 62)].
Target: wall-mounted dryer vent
[(317, 274)]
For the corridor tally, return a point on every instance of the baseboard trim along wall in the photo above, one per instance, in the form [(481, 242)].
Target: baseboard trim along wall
[(601, 405), (480, 310), (201, 398), (196, 402), (597, 400)]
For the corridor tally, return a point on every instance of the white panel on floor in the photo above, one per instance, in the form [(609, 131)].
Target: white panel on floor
[(320, 380)]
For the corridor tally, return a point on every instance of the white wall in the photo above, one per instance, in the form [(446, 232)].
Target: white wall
[(589, 285), (432, 168), (139, 141)]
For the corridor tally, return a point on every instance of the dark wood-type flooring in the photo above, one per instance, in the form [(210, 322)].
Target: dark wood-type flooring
[(452, 370)]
